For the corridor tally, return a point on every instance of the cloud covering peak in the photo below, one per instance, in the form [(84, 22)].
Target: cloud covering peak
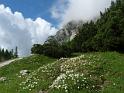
[(15, 30), (67, 10)]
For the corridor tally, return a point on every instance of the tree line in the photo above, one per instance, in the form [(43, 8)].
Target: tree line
[(105, 34), (5, 54)]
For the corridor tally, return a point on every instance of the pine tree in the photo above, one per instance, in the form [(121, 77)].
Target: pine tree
[(16, 52)]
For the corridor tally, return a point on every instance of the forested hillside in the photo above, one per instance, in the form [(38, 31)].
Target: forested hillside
[(105, 34)]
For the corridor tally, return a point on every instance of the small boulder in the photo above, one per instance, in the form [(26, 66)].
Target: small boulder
[(2, 79), (24, 72)]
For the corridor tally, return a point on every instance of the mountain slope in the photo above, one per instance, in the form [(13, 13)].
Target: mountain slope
[(88, 73), (11, 75), (67, 33)]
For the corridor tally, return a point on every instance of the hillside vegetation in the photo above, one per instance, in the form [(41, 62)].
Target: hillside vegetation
[(87, 73), (12, 75), (104, 34)]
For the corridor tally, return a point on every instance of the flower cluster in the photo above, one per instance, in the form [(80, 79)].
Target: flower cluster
[(66, 81), (32, 80), (66, 74)]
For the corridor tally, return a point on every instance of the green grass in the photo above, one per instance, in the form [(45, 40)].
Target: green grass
[(11, 71), (100, 72)]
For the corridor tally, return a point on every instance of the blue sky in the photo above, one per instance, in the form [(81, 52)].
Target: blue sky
[(32, 8)]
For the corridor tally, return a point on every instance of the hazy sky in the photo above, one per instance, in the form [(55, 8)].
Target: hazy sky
[(26, 22)]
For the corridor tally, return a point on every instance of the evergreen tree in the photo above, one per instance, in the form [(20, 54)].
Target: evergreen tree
[(16, 52)]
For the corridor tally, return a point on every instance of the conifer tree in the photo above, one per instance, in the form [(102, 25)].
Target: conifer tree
[(16, 52)]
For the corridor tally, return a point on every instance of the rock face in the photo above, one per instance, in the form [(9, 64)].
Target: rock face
[(67, 33)]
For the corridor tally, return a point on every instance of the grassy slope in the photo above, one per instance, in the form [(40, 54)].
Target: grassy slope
[(12, 70), (91, 72)]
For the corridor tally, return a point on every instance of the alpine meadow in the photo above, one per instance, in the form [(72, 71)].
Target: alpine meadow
[(53, 48)]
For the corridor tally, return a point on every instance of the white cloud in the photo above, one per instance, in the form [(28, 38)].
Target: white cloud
[(57, 10), (15, 30), (78, 9)]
